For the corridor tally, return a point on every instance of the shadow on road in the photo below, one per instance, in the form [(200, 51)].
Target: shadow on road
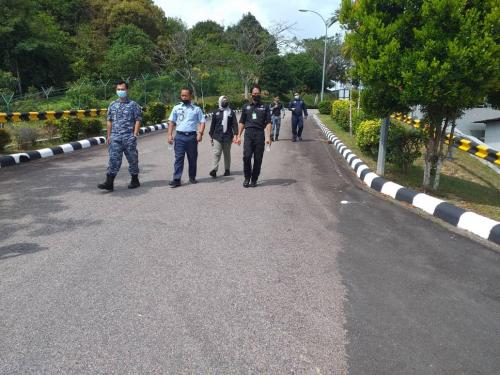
[(12, 251)]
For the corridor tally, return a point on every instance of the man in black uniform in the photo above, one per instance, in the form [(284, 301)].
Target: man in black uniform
[(255, 120), (297, 106)]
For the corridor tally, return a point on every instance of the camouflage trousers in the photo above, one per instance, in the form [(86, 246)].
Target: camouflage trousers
[(123, 145)]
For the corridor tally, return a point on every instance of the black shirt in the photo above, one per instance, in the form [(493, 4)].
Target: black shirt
[(216, 129), (276, 109), (255, 116)]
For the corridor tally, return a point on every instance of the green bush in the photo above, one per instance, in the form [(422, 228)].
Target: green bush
[(404, 143), (83, 94), (25, 136), (324, 107), (5, 138), (69, 128), (340, 113), (92, 127), (368, 137), (154, 114)]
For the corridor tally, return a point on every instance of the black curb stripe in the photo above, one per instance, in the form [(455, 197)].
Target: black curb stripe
[(93, 141), (364, 173), (33, 155), (57, 150), (6, 161), (378, 183), (346, 156), (58, 114), (25, 116), (87, 112), (449, 213), (73, 113), (76, 145), (406, 195), (495, 234), (42, 115), (357, 165)]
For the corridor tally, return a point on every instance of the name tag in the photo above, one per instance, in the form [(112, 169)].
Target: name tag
[(254, 116)]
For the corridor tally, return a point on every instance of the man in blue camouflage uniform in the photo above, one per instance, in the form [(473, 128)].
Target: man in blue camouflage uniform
[(123, 124), (297, 106), (188, 121)]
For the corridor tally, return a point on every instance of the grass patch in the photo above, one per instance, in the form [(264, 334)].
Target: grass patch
[(465, 181)]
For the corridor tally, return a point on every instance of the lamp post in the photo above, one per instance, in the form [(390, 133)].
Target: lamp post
[(324, 50)]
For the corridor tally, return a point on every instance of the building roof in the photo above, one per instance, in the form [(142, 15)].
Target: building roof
[(497, 119)]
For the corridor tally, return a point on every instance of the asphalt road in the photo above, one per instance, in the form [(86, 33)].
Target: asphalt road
[(306, 274)]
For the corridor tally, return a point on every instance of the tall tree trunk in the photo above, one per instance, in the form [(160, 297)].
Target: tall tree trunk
[(440, 153), (428, 166), (247, 89), (20, 87)]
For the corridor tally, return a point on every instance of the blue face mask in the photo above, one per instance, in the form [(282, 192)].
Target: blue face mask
[(121, 93)]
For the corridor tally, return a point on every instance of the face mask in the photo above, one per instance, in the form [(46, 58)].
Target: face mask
[(224, 104), (297, 97), (121, 93), (186, 101), (256, 98)]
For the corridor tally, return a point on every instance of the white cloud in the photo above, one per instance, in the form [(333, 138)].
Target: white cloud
[(229, 12)]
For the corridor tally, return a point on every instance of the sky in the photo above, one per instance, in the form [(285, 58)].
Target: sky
[(229, 12)]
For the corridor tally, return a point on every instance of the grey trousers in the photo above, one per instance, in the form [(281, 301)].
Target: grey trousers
[(220, 148)]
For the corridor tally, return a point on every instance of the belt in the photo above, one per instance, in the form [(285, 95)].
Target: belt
[(186, 133)]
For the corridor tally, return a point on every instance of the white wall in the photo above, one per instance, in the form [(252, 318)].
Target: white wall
[(492, 137)]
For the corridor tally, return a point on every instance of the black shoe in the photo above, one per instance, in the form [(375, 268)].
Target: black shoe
[(294, 140), (108, 184), (193, 180), (253, 183), (276, 139), (246, 183), (134, 182), (174, 183), (272, 139), (227, 173), (300, 138), (213, 173)]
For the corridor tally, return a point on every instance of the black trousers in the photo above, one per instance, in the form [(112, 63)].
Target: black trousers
[(253, 145), (297, 126)]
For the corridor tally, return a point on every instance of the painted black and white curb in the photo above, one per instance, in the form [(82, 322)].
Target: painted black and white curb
[(23, 157), (470, 221)]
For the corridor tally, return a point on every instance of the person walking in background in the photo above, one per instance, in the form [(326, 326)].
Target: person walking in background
[(277, 110), (189, 122), (255, 120), (122, 128), (223, 132), (297, 106)]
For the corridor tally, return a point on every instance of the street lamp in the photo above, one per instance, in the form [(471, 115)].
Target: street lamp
[(324, 51)]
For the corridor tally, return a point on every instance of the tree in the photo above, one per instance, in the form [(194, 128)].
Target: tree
[(440, 54), (337, 64), (306, 72), (276, 75), (252, 44), (130, 55)]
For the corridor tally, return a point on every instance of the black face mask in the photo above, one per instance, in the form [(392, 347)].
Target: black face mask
[(224, 104), (256, 98), (186, 101)]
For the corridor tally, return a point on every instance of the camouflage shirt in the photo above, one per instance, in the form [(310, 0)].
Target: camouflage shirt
[(123, 116)]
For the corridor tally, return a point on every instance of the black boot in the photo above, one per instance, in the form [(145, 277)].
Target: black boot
[(227, 172), (108, 184), (134, 182)]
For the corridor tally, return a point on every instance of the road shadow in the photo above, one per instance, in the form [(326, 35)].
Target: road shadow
[(277, 182), (12, 251)]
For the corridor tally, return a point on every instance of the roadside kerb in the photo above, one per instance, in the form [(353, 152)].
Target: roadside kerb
[(480, 225), (23, 157)]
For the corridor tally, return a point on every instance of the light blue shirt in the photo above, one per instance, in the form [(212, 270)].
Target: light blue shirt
[(186, 117)]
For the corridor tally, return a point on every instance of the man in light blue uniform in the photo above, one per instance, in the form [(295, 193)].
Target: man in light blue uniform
[(189, 122), (123, 124)]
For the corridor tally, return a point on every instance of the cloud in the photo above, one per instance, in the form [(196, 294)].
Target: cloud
[(229, 12)]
